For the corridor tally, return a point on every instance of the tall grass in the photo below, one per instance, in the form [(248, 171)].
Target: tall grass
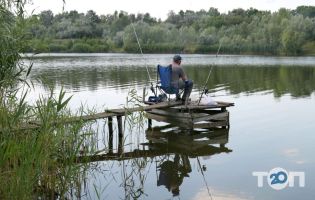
[(37, 161)]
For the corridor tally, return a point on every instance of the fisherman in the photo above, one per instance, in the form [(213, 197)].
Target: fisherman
[(180, 80)]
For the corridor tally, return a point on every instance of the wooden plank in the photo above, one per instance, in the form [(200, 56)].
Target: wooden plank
[(211, 124), (181, 122), (145, 108), (219, 116), (177, 114), (194, 106), (170, 113), (207, 111), (227, 104), (165, 112)]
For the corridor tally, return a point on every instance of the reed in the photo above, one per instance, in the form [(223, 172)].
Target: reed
[(34, 163)]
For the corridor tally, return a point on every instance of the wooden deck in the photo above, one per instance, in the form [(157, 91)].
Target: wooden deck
[(193, 116)]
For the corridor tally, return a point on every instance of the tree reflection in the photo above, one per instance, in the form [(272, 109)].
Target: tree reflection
[(298, 81)]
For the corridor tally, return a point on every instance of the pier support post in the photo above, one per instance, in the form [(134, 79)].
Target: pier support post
[(149, 123), (120, 129), (227, 120), (120, 135), (120, 145), (110, 130)]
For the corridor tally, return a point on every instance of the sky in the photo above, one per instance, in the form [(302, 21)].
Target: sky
[(160, 8)]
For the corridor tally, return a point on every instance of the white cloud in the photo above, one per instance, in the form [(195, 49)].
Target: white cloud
[(220, 195), (294, 154), (291, 152)]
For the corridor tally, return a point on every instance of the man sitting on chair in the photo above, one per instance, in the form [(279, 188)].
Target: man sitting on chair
[(180, 80)]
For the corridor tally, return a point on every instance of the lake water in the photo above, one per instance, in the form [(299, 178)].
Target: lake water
[(271, 125)]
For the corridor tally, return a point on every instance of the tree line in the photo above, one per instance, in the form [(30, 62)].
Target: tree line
[(251, 31)]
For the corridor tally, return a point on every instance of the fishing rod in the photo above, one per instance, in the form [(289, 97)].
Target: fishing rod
[(204, 90), (135, 32)]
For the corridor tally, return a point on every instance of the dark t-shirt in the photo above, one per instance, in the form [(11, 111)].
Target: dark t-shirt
[(177, 74)]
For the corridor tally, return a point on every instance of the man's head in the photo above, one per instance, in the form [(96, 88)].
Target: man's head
[(177, 59)]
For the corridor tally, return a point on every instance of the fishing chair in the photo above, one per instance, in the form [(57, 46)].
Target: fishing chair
[(164, 82)]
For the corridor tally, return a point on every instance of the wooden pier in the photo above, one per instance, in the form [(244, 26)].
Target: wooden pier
[(172, 112)]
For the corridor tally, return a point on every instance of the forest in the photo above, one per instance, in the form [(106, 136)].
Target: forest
[(285, 32)]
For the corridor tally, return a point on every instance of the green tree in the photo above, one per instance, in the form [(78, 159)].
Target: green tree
[(46, 18), (306, 11), (293, 37)]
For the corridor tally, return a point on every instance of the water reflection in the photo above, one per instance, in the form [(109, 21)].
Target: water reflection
[(190, 142), (174, 152), (297, 81), (172, 173), (173, 170)]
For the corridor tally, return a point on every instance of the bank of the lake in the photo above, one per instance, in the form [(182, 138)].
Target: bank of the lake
[(99, 45)]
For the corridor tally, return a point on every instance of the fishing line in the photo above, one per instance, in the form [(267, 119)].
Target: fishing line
[(204, 179), (134, 30), (204, 87)]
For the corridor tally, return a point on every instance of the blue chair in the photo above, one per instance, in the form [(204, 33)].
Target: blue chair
[(165, 83)]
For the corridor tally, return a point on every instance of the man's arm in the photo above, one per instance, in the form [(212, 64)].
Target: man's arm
[(183, 75)]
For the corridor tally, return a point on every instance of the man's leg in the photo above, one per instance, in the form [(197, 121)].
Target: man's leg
[(188, 88), (181, 85)]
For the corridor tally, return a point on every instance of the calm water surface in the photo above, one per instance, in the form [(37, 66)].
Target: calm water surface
[(272, 125)]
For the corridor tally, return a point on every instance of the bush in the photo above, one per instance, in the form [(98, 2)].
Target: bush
[(57, 48), (81, 48), (101, 48), (154, 48), (206, 49), (309, 48)]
